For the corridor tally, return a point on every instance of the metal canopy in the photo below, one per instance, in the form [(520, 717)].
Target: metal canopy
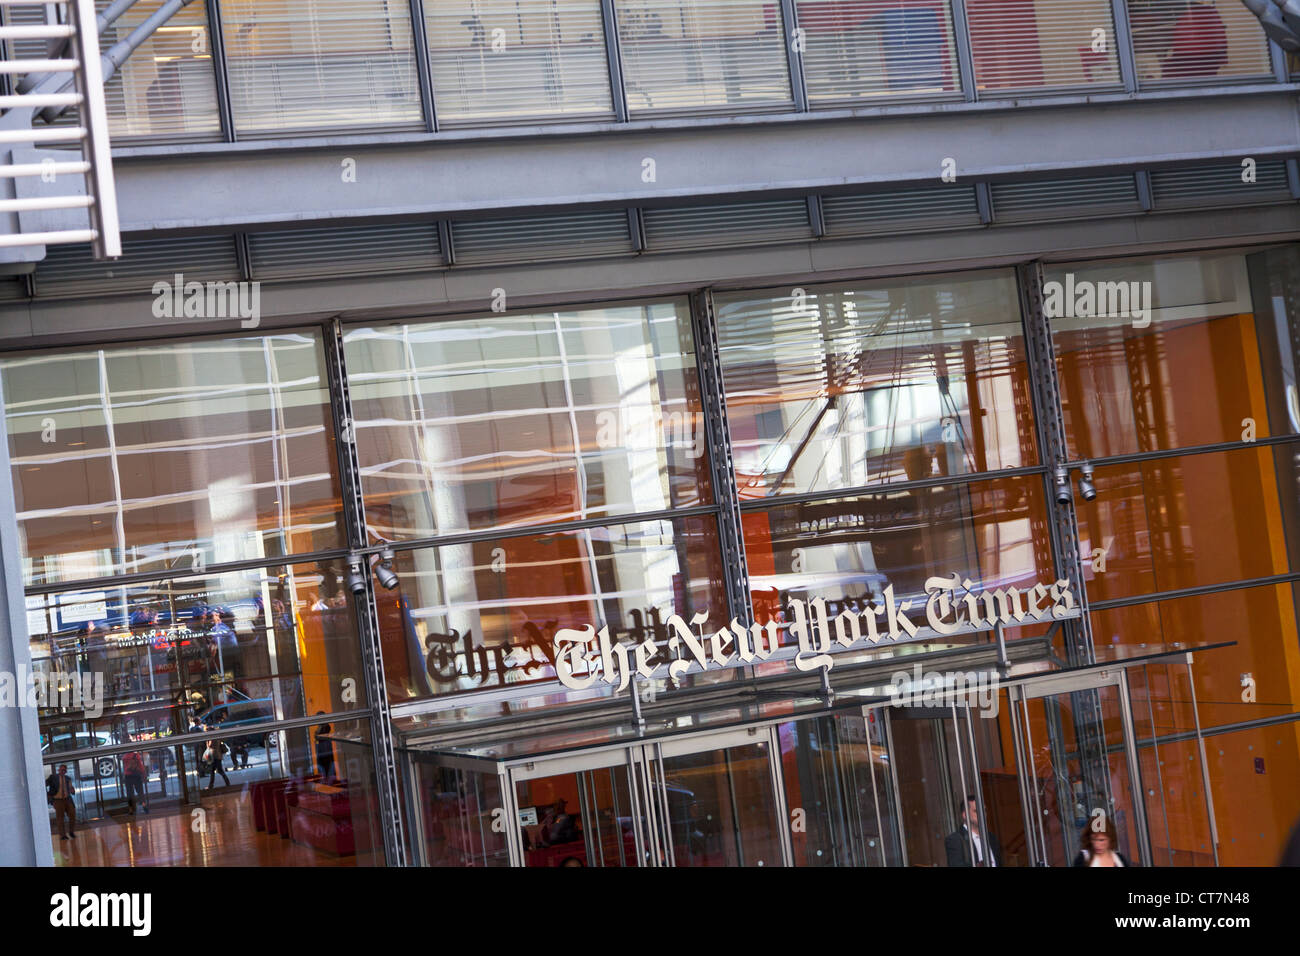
[(756, 705)]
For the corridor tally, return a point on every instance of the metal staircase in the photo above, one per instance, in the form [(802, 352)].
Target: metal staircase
[(1281, 20), (52, 196)]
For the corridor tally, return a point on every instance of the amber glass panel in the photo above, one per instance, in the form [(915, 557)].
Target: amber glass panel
[(1254, 776), (239, 648), (1187, 373), (1189, 521), (1259, 677), (482, 615), (850, 550), (520, 419), (845, 386), (153, 457)]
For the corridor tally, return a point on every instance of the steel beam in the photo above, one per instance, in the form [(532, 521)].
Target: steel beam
[(279, 184)]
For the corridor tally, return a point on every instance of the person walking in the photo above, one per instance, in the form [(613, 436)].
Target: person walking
[(134, 774), (324, 752), (1097, 847), (212, 754), (60, 790)]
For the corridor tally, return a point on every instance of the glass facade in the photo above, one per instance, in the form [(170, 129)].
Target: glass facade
[(287, 69), (708, 512)]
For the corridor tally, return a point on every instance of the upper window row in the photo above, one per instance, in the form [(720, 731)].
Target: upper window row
[(167, 457), (351, 64)]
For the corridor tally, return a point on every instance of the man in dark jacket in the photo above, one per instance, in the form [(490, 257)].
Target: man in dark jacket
[(988, 852), (60, 791)]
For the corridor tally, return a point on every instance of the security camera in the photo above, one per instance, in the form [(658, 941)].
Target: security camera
[(384, 570), (1063, 493), (1086, 488), (356, 580)]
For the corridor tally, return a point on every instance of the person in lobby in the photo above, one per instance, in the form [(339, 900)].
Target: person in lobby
[(60, 790), (958, 844), (1097, 847)]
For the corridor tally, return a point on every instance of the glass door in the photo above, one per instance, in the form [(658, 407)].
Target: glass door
[(1079, 771), (942, 817)]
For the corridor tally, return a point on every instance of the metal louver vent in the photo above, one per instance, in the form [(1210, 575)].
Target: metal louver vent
[(909, 210), (1177, 43), (11, 288), (734, 224), (69, 270), (349, 250), (1219, 186), (1042, 45), (1065, 199), (568, 236)]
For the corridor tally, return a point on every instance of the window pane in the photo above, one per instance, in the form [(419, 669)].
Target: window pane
[(1175, 41), (1190, 521), (320, 64), (848, 551), (865, 48), (1249, 772), (498, 60), (482, 615), (238, 648), (702, 54), (187, 454), (1185, 371), (526, 419), (842, 386), (167, 86), (1041, 44), (1261, 620)]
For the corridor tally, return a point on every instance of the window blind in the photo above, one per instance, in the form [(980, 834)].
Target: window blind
[(874, 49), (497, 61), (1176, 42), (1020, 45), (320, 64), (697, 55)]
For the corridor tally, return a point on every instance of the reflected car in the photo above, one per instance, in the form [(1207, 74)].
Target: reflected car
[(241, 714), (85, 767)]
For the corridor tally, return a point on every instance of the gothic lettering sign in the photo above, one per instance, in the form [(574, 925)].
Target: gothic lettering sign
[(952, 606)]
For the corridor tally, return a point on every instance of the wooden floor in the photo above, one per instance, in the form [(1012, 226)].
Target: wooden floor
[(222, 835)]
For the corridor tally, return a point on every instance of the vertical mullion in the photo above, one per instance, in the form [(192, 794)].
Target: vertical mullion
[(1277, 59), (725, 491), (217, 43), (423, 70), (1124, 46), (614, 60), (366, 611), (965, 58), (794, 55)]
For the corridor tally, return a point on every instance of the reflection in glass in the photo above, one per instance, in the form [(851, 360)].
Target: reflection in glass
[(143, 458), (1189, 372), (460, 813), (484, 614), (139, 808), (1162, 525), (721, 808), (580, 819), (518, 419), (839, 387), (167, 87), (849, 551), (702, 54), (1175, 41), (864, 48), (501, 61), (236, 649)]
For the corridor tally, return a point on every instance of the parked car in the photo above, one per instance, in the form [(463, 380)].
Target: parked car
[(85, 767)]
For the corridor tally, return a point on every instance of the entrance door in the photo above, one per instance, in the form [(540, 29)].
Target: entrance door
[(1079, 769), (942, 816)]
